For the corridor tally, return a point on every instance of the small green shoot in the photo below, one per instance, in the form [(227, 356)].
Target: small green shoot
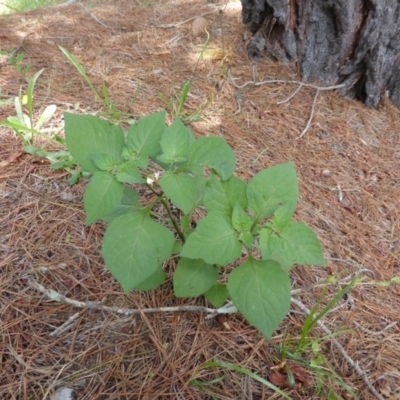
[(26, 129), (313, 318), (83, 73), (103, 98), (244, 371), (23, 124), (17, 60), (307, 351), (175, 105)]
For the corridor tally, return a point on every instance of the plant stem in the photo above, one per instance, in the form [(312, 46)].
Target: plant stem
[(168, 208), (175, 223)]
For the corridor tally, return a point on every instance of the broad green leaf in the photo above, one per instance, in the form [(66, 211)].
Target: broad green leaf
[(283, 216), (214, 241), (175, 142), (247, 239), (134, 247), (129, 203), (240, 220), (193, 277), (153, 281), (217, 295), (183, 190), (140, 161), (177, 248), (185, 223), (87, 135), (104, 162), (144, 136), (212, 152), (272, 188), (128, 172), (222, 196), (296, 244), (101, 196), (261, 292)]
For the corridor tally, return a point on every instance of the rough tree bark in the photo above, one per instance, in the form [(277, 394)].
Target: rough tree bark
[(354, 42)]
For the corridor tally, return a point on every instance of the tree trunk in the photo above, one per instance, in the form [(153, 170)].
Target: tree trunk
[(354, 42)]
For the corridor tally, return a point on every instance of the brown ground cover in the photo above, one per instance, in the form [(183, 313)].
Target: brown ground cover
[(348, 164)]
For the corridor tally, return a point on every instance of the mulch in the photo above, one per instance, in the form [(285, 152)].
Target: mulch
[(348, 168)]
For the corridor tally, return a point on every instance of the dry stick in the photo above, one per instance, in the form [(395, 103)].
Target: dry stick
[(168, 26), (378, 333), (301, 84), (311, 116), (291, 96), (352, 363), (284, 81), (99, 305), (67, 325), (229, 308)]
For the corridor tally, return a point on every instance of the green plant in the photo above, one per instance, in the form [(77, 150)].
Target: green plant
[(23, 124), (16, 59), (10, 6), (26, 129), (233, 367), (248, 226), (111, 111), (175, 105), (306, 352)]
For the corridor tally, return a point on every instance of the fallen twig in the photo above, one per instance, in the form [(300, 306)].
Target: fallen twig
[(99, 305), (177, 24), (300, 85), (227, 309), (283, 81), (311, 116), (377, 333)]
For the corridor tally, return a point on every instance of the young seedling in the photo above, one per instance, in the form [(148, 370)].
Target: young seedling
[(26, 129), (247, 225), (175, 104), (23, 124), (306, 353), (111, 111), (233, 367)]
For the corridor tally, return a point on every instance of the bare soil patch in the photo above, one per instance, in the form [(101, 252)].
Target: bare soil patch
[(348, 164)]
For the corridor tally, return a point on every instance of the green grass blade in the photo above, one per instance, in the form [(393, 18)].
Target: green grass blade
[(246, 372), (312, 319), (106, 99), (29, 94), (183, 96), (334, 301), (18, 109), (82, 71), (166, 101)]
